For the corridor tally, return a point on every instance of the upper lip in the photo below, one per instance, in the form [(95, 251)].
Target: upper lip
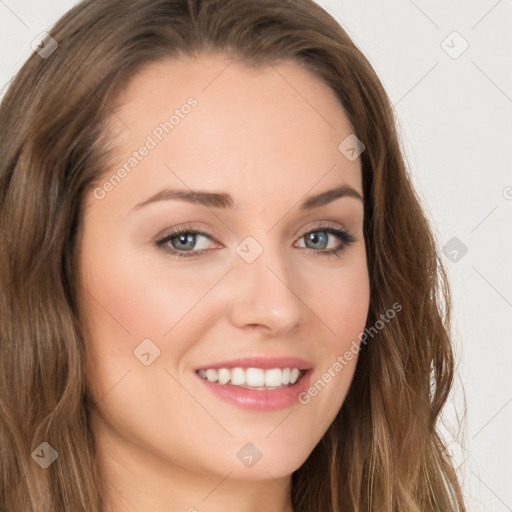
[(259, 362)]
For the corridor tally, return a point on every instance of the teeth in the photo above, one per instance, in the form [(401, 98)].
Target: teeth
[(255, 377), (273, 377), (211, 375), (252, 377), (237, 376), (224, 375)]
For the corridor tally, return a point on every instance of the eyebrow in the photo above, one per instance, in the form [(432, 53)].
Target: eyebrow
[(224, 200)]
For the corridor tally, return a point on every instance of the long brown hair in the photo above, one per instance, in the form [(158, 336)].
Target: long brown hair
[(383, 451)]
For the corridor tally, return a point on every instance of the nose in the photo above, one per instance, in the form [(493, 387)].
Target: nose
[(266, 295)]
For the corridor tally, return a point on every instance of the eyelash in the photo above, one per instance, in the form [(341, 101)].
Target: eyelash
[(346, 238)]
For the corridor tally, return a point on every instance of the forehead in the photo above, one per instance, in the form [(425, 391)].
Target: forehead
[(248, 128), (220, 83)]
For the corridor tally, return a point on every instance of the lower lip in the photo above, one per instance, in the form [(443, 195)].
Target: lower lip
[(271, 400)]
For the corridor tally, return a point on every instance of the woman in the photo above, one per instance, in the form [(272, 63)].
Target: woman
[(300, 357)]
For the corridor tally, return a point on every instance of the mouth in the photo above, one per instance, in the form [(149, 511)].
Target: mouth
[(257, 383), (257, 388), (258, 379)]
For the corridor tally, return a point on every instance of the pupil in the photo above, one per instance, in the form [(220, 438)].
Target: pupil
[(184, 239), (315, 238)]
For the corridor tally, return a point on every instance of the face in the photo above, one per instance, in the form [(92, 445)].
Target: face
[(257, 275)]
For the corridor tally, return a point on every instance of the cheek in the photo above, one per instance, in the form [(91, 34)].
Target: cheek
[(129, 297), (342, 301), (131, 294), (343, 310)]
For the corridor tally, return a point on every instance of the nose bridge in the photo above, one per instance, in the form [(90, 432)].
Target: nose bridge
[(267, 291)]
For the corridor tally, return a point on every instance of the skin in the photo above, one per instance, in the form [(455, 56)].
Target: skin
[(269, 137)]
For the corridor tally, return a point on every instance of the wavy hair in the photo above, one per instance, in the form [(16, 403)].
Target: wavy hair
[(383, 452)]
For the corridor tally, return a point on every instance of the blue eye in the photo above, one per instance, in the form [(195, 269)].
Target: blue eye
[(185, 237), (342, 235), (183, 240)]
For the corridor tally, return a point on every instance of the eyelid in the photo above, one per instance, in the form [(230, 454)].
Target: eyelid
[(318, 225), (185, 228)]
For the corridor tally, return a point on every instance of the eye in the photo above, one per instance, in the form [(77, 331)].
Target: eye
[(318, 240), (182, 241)]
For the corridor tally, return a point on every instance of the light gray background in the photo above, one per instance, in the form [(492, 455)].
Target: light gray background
[(456, 127)]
